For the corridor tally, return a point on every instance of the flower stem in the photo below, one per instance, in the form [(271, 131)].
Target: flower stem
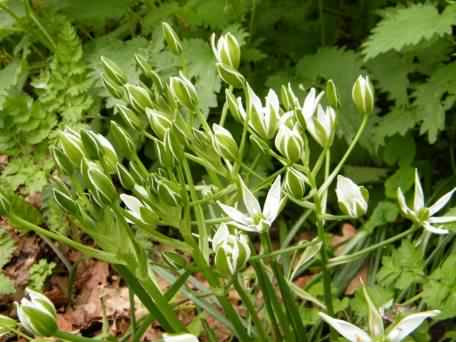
[(250, 307), (70, 337)]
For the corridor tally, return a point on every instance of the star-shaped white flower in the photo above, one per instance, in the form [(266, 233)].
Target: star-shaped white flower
[(424, 216), (256, 220)]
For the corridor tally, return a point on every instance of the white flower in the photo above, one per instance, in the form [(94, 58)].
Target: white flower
[(396, 333), (137, 209), (321, 125), (37, 314), (311, 103), (352, 198), (263, 120), (424, 216), (256, 220), (179, 338), (363, 95)]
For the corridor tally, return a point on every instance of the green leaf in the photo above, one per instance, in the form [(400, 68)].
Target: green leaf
[(365, 174), (399, 121), (39, 273), (6, 285), (7, 247), (434, 98), (385, 212), (405, 26), (402, 178), (400, 149), (379, 295), (439, 290), (403, 268)]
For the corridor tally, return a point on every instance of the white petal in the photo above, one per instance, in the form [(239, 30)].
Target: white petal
[(408, 324), (249, 199), (418, 199), (442, 219), (235, 214), (403, 203), (220, 235), (441, 202), (349, 331), (434, 230), (272, 202), (179, 338), (273, 100)]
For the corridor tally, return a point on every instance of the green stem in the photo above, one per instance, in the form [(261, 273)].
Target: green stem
[(250, 307), (283, 251), (342, 161), (70, 337), (134, 326), (343, 259), (296, 227), (40, 26)]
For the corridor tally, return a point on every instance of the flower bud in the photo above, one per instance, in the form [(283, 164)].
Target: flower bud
[(101, 186), (65, 202), (331, 94), (289, 142), (174, 142), (322, 125), (264, 120), (7, 324), (295, 183), (230, 75), (288, 97), (148, 72), (165, 157), (167, 193), (183, 91), (129, 117), (122, 140), (172, 39), (233, 105), (363, 95), (5, 204), (125, 178), (231, 251), (227, 50), (352, 198), (64, 164), (112, 72), (108, 154), (224, 143), (114, 89), (37, 314), (90, 144), (310, 106), (138, 172), (139, 97), (159, 123), (72, 147)]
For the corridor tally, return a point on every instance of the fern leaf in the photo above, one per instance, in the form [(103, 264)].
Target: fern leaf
[(405, 26)]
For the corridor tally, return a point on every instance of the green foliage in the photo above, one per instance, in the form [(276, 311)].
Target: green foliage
[(7, 247), (439, 290), (39, 273), (404, 26), (403, 268)]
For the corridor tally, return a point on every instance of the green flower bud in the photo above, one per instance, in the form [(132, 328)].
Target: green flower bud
[(108, 154), (122, 140), (65, 202), (224, 143), (165, 157), (6, 325), (5, 205), (63, 163), (331, 94), (167, 193), (148, 72), (90, 143), (183, 91), (363, 95), (175, 143), (37, 314), (138, 97), (227, 51), (114, 89), (125, 178), (264, 120), (101, 186), (231, 251), (233, 105), (112, 72), (72, 147), (230, 75), (172, 39), (288, 97), (159, 123), (129, 117), (289, 142), (295, 183)]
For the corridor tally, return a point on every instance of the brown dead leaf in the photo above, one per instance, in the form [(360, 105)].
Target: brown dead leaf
[(348, 232), (358, 280), (35, 199)]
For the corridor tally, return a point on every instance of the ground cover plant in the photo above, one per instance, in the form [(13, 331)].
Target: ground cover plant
[(247, 184)]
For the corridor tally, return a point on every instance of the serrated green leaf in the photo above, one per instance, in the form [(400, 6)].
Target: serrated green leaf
[(7, 247), (399, 121), (403, 268), (400, 150), (405, 26), (39, 273), (6, 285)]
